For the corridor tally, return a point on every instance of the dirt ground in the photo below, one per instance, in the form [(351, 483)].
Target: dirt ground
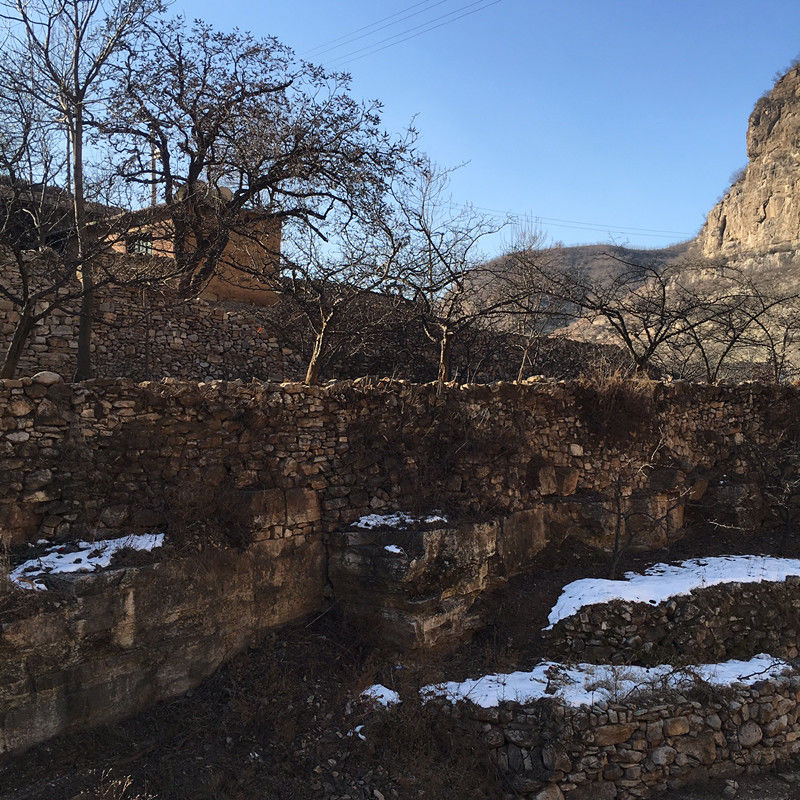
[(282, 720)]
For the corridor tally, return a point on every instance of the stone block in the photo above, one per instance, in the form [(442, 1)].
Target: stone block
[(302, 506), (607, 735)]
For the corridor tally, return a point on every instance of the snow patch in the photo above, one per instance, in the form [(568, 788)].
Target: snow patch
[(589, 684), (382, 695), (88, 557), (399, 520), (394, 548), (662, 581)]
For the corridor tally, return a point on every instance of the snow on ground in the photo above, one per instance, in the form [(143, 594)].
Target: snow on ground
[(588, 684), (399, 520), (382, 695), (662, 581), (88, 557), (394, 549)]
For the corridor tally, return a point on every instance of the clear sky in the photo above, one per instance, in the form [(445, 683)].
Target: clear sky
[(605, 120)]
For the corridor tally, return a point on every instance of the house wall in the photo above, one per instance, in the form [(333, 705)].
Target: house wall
[(249, 254)]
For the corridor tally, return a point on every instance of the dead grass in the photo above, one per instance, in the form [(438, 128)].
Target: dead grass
[(615, 404), (213, 515)]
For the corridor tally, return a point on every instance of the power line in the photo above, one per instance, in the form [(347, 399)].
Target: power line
[(575, 222), (557, 222), (349, 38), (414, 32)]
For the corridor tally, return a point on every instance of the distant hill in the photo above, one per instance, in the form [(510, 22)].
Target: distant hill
[(600, 260)]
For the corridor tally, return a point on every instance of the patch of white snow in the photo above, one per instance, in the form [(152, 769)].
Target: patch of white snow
[(394, 549), (399, 520), (382, 695), (88, 557), (589, 684), (662, 581)]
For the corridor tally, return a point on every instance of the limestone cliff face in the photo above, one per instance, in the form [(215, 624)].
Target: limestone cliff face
[(761, 211)]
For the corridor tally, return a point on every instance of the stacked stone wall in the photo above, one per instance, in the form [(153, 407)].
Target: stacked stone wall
[(105, 455), (148, 335), (151, 335), (709, 625), (635, 748)]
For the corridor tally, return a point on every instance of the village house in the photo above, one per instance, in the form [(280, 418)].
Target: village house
[(252, 251)]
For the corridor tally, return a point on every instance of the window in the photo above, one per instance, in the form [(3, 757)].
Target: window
[(141, 244)]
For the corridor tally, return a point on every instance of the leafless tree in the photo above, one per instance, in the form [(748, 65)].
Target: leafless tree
[(455, 289), (231, 123), (535, 313), (59, 52), (729, 314), (343, 290), (38, 253)]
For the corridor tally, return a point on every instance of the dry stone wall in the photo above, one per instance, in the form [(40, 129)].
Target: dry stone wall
[(149, 335), (551, 460), (109, 455), (638, 748), (709, 625), (100, 646)]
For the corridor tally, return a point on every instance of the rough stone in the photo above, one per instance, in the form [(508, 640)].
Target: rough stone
[(750, 734)]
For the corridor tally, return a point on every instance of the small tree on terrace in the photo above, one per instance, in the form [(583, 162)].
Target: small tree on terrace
[(343, 289), (453, 287)]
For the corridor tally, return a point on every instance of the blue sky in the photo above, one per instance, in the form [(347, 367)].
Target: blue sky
[(605, 120)]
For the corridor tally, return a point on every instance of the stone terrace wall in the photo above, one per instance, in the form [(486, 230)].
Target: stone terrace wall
[(105, 455), (147, 336), (632, 749), (98, 647), (709, 625)]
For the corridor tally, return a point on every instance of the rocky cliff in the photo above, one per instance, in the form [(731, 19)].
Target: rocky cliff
[(761, 210)]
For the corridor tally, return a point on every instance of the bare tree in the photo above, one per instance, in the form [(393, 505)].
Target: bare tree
[(730, 314), (59, 52), (342, 291), (535, 313), (232, 123), (455, 289)]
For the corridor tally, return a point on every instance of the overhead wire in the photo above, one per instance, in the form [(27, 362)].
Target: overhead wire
[(354, 36), (416, 31), (557, 222)]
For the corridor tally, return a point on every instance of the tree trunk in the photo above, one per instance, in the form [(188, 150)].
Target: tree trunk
[(524, 361), (17, 345), (314, 364), (444, 361), (83, 368)]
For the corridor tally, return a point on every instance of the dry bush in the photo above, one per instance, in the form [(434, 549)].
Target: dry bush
[(215, 516), (614, 403), (114, 789), (432, 754)]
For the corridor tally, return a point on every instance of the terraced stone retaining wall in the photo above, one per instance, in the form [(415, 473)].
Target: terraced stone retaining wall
[(551, 460), (97, 647), (150, 335), (709, 625), (637, 748), (107, 455)]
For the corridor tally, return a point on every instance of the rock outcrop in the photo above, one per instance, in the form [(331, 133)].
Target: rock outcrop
[(761, 210)]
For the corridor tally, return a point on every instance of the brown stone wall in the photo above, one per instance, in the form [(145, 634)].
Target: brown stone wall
[(638, 748), (104, 455), (145, 336), (710, 625), (102, 646)]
